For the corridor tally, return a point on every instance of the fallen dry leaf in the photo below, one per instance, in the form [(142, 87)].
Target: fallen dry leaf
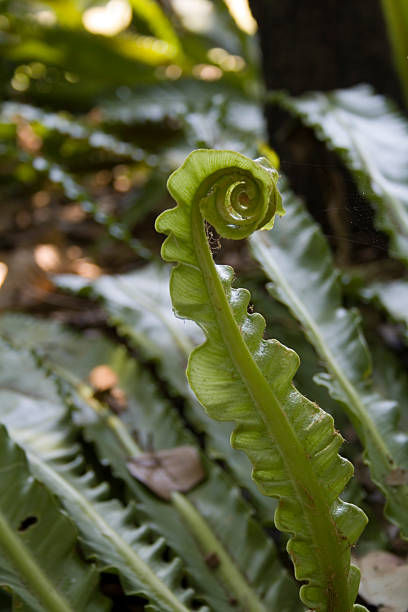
[(384, 581), (166, 471), (397, 477)]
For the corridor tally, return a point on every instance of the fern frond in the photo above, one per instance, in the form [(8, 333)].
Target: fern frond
[(372, 139), (238, 376), (108, 531), (38, 556), (11, 112), (297, 259), (207, 114), (194, 524), (138, 306)]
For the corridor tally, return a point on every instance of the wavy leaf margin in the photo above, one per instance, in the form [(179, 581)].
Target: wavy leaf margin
[(238, 376)]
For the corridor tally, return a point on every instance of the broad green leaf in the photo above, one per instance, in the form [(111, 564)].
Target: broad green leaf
[(296, 257), (35, 417), (240, 377), (156, 334), (372, 139), (38, 556), (101, 63), (250, 570)]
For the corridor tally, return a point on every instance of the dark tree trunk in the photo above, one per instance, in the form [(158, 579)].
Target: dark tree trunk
[(323, 45)]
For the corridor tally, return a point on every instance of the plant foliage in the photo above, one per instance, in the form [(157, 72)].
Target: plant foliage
[(39, 559), (337, 338), (292, 445), (371, 137), (92, 123)]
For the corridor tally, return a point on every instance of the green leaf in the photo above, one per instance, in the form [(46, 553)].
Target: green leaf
[(138, 305), (74, 191), (111, 533), (100, 63), (38, 556), (159, 24), (238, 376), (11, 112), (209, 114), (251, 570), (372, 139), (296, 257)]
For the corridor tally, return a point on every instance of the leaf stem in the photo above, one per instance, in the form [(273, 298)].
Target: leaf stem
[(223, 565), (230, 576), (308, 490), (380, 455), (72, 496), (32, 575)]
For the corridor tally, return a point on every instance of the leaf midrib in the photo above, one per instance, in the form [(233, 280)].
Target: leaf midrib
[(322, 348), (323, 533), (141, 569), (27, 566), (232, 576), (398, 213)]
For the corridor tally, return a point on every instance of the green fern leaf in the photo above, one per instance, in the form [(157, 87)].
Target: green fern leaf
[(38, 558), (371, 137), (138, 305), (238, 376), (297, 259), (35, 417), (11, 112), (208, 114), (251, 571)]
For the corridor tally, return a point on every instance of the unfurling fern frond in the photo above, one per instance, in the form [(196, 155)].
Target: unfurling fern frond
[(297, 260), (240, 377)]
